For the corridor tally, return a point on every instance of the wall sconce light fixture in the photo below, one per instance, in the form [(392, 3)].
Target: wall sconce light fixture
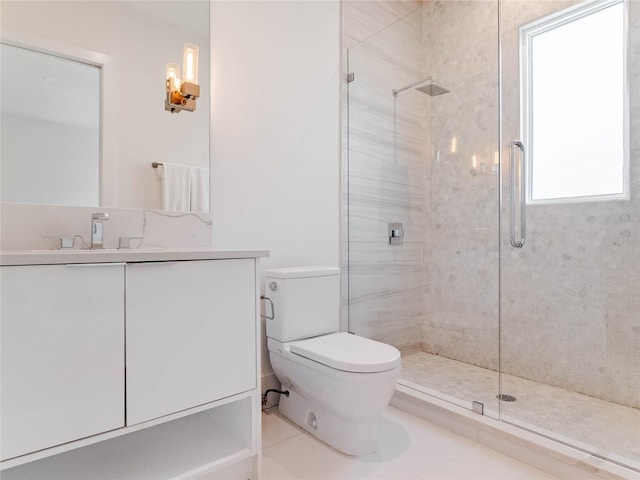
[(477, 169), (182, 93)]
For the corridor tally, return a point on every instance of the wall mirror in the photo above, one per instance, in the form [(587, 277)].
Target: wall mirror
[(574, 104), (51, 130), (82, 105)]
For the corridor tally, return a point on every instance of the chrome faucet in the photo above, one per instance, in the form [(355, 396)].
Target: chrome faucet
[(97, 229)]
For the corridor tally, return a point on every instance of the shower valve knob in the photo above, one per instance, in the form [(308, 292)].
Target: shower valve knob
[(395, 233)]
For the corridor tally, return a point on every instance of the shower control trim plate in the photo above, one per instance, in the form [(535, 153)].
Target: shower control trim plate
[(395, 232)]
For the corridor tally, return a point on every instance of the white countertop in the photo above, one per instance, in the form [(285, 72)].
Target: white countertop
[(52, 257)]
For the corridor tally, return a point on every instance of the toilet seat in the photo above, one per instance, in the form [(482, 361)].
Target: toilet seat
[(349, 353)]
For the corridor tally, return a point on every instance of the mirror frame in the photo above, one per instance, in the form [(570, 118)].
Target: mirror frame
[(107, 149)]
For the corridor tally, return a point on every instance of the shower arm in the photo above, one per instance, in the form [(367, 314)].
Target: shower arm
[(407, 87)]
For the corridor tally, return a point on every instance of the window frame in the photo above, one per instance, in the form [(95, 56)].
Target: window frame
[(526, 34)]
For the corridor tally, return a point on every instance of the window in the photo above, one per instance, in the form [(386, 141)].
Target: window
[(575, 104)]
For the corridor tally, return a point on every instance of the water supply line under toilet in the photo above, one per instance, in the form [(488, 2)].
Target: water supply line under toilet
[(266, 406)]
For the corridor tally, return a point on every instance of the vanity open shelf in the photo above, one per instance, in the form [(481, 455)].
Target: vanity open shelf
[(185, 447), (146, 367)]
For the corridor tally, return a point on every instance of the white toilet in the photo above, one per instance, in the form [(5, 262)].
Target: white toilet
[(338, 383)]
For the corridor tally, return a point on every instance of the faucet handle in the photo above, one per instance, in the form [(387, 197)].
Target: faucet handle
[(65, 243), (125, 242), (100, 216)]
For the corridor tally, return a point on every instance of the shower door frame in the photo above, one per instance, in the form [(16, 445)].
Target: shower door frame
[(352, 77)]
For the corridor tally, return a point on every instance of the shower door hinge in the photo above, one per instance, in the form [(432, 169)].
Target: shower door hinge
[(350, 77), (477, 407)]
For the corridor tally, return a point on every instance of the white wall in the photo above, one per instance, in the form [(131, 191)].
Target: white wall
[(275, 130)]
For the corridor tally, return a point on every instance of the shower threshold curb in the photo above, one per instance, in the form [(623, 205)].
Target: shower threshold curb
[(543, 453)]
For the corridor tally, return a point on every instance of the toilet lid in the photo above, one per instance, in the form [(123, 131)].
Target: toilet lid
[(349, 353)]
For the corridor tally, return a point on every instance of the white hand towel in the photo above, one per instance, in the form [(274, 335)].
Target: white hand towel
[(176, 187), (199, 189)]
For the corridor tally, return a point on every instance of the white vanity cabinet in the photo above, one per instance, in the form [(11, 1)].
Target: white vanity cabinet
[(191, 334), (62, 354), (130, 364)]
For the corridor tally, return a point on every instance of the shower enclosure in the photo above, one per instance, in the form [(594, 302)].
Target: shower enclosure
[(492, 210)]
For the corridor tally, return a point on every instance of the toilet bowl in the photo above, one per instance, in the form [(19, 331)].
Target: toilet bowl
[(338, 383)]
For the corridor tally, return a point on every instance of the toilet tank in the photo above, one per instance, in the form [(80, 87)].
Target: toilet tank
[(306, 302)]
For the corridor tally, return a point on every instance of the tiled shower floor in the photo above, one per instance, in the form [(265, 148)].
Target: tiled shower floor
[(605, 428)]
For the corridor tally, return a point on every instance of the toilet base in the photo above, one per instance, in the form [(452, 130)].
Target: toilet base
[(351, 438)]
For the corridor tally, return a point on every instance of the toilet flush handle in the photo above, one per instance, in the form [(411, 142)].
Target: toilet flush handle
[(273, 310)]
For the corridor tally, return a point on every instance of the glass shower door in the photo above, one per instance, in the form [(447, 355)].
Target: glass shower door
[(570, 224), (423, 147)]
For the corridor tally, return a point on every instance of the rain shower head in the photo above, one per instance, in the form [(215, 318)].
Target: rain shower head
[(432, 90)]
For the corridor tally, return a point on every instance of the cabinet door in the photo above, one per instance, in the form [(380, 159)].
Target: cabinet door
[(190, 334), (62, 340)]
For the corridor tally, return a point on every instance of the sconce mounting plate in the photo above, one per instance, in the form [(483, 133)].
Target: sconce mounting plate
[(183, 99)]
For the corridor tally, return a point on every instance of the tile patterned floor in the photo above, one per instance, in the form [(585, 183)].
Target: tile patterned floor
[(601, 427), (409, 448)]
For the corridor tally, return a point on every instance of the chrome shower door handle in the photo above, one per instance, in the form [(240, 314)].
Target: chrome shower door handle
[(512, 196)]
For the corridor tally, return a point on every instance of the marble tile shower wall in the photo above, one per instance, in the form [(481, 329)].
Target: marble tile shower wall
[(360, 20), (571, 297), (386, 184), (461, 268)]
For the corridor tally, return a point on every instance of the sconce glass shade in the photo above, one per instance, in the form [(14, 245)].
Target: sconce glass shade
[(453, 145), (183, 93), (190, 63), (173, 71)]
